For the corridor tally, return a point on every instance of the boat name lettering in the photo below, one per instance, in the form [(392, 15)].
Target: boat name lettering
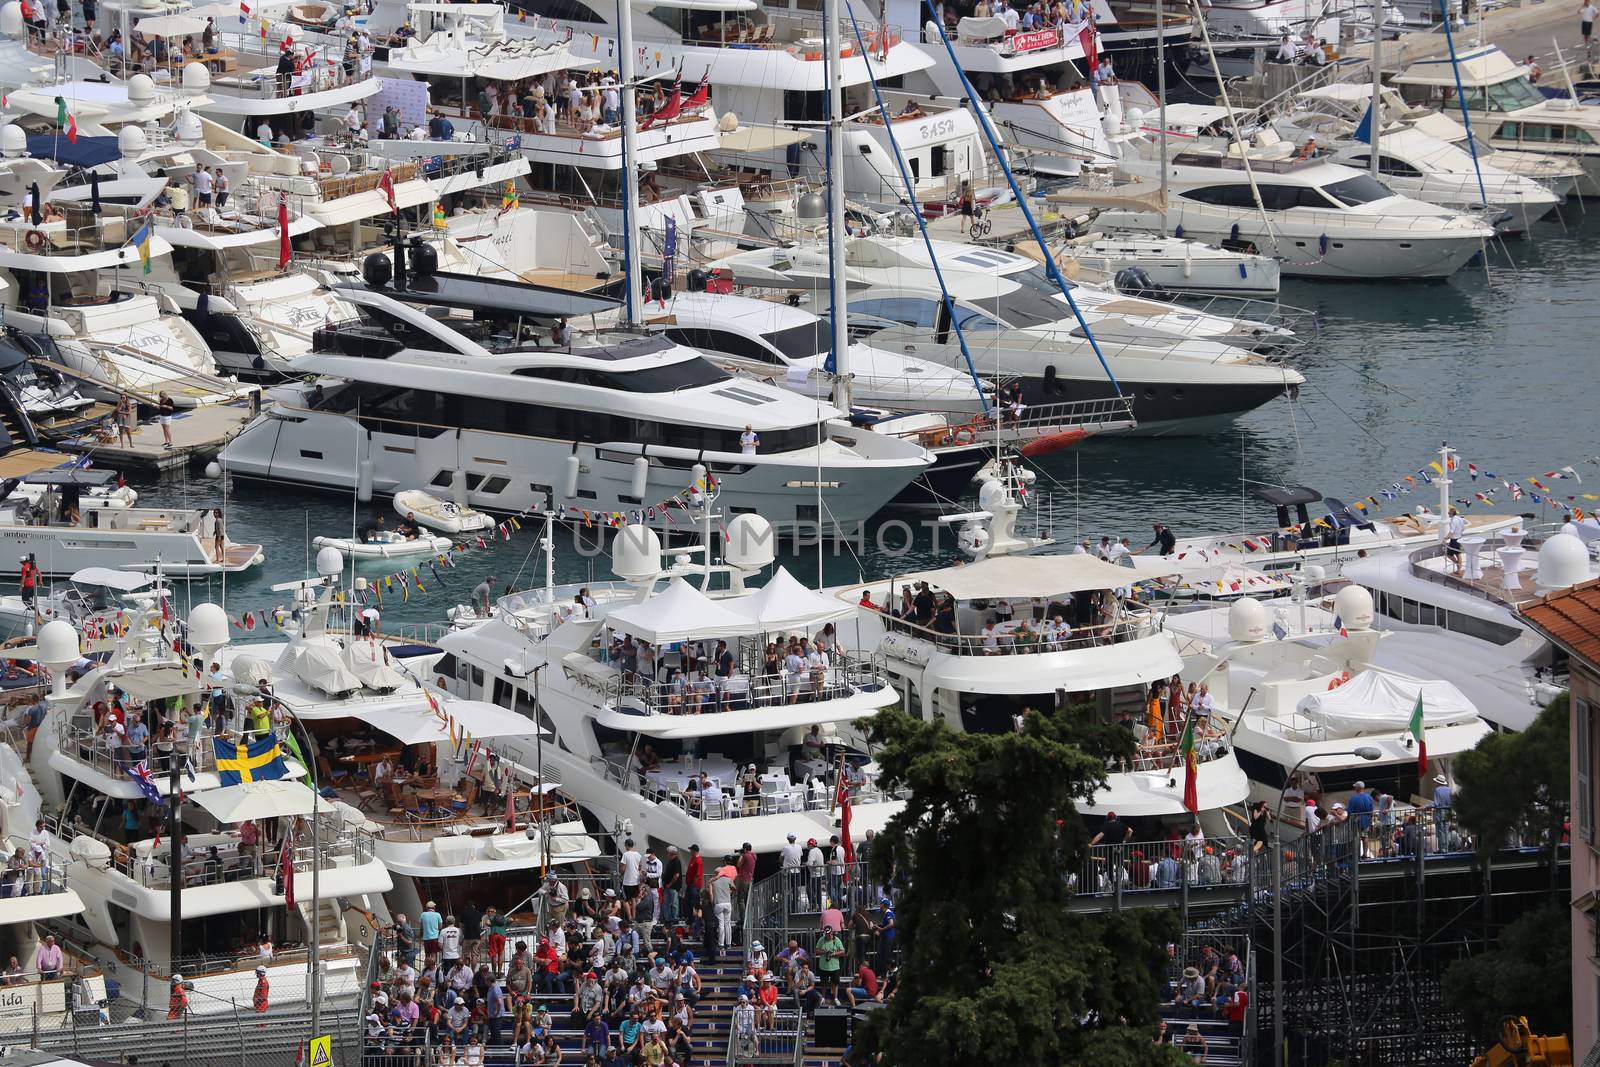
[(1032, 41), (940, 128)]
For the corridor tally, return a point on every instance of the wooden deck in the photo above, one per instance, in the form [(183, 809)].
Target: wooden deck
[(25, 461), (198, 434)]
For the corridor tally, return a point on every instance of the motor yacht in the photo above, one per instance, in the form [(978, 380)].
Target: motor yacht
[(1314, 705), (1324, 220), (1183, 369), (1028, 633), (1507, 111), (656, 731), (626, 423)]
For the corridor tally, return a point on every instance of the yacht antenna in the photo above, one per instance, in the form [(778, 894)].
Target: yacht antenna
[(548, 543), (1377, 83), (839, 350), (630, 173)]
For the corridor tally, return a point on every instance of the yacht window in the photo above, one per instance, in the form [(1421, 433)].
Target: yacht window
[(906, 310), (1573, 135), (1036, 279), (1538, 131), (1513, 95), (1512, 130), (1222, 195), (1387, 165), (721, 342), (686, 374), (1358, 190), (976, 320), (803, 341), (560, 10)]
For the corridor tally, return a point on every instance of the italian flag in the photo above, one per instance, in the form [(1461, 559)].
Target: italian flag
[(1422, 741), (66, 120), (1191, 767)]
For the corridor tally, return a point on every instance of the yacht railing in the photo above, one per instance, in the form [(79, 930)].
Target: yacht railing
[(1492, 590), (31, 880), (844, 676), (1037, 420), (724, 801), (234, 862), (1023, 642), (110, 755)]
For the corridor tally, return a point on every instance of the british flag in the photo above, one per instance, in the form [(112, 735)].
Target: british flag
[(140, 773)]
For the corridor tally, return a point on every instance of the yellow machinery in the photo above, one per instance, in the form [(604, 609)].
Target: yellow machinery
[(1520, 1048)]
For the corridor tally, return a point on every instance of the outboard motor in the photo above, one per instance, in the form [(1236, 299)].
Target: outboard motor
[(1135, 282)]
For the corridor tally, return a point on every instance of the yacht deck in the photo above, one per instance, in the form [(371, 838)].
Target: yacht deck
[(198, 435)]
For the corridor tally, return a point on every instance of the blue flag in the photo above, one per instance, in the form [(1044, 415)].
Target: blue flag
[(259, 761), (1364, 130), (140, 773)]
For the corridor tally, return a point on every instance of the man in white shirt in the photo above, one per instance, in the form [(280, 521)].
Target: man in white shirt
[(1570, 527), (632, 875), (264, 132), (202, 187), (749, 441), (1456, 528), (1011, 17), (610, 106), (352, 122), (1118, 550), (449, 942)]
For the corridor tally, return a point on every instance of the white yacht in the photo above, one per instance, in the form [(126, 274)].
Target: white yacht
[(618, 423), (1314, 697), (1413, 162), (1322, 219), (112, 839), (609, 665), (1040, 632), (1507, 112), (1184, 370)]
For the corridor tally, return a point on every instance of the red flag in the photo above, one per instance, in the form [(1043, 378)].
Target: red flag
[(283, 231), (286, 869), (511, 809), (843, 799), (386, 187), (702, 92), (671, 109), (1091, 51), (1191, 767)]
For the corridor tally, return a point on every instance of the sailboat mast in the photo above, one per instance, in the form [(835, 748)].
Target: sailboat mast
[(838, 320), (1377, 82), (1161, 99), (632, 303)]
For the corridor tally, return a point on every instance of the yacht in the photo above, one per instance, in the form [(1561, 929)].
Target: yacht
[(1507, 111), (1006, 654), (358, 698), (1183, 370), (1467, 627), (111, 834), (1412, 162), (629, 423), (637, 737), (1314, 698)]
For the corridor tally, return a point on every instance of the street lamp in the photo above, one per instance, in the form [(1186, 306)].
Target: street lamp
[(1279, 1056)]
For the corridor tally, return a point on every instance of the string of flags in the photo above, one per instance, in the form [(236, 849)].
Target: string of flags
[(693, 496)]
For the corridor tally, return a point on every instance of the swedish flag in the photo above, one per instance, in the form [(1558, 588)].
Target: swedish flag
[(258, 761)]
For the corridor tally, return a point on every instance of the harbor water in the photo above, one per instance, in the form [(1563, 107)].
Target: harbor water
[(1500, 361)]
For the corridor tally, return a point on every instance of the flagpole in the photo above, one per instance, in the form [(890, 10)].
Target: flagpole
[(316, 880), (175, 853)]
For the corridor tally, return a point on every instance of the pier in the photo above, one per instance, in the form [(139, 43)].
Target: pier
[(198, 436)]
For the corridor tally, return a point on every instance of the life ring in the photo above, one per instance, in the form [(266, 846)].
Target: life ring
[(965, 435), (1344, 676), (34, 240)]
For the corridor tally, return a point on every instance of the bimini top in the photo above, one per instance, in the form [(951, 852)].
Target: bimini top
[(444, 289), (1287, 495), (1031, 576), (678, 613)]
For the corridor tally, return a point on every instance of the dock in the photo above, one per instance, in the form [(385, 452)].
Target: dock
[(198, 435)]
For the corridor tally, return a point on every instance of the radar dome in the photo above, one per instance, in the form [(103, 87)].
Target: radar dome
[(636, 553), (811, 206), (1314, 573), (748, 543), (991, 496), (13, 141), (728, 122), (1353, 605), (1247, 620), (208, 626), (1563, 561), (186, 127), (330, 562), (11, 24), (196, 78), (58, 644), (131, 140), (141, 89)]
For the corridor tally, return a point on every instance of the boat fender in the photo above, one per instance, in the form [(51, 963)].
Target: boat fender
[(1235, 234), (1322, 244), (364, 481), (569, 486), (1050, 384), (458, 486), (1177, 231), (641, 473), (1242, 272)]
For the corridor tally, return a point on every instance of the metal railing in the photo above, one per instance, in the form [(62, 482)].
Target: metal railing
[(93, 748), (32, 880), (1025, 639), (1134, 867), (843, 676)]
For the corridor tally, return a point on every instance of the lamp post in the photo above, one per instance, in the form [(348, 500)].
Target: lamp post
[(1279, 1058)]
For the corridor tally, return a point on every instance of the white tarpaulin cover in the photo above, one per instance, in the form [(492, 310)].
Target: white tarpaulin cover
[(417, 724), (785, 604), (1030, 576), (678, 613), (1376, 702)]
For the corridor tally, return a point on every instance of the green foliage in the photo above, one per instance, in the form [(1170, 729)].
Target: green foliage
[(995, 969), (1528, 972), (1512, 780)]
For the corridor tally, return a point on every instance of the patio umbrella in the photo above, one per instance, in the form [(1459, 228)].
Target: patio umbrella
[(94, 191), (33, 197), (271, 799)]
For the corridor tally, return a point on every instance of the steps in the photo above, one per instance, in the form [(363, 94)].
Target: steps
[(328, 923)]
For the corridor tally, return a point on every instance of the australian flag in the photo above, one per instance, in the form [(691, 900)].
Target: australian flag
[(140, 773)]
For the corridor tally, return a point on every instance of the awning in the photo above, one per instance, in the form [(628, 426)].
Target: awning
[(678, 613), (1028, 576), (170, 25), (271, 799), (784, 604), (419, 725), (159, 683), (88, 152), (757, 138), (111, 578)]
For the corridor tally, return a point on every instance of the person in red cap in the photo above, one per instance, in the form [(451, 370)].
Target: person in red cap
[(1113, 831)]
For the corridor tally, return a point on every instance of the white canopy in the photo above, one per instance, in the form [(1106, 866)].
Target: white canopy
[(1377, 702), (270, 799), (785, 604), (111, 578), (170, 25), (678, 613), (416, 724), (1030, 576)]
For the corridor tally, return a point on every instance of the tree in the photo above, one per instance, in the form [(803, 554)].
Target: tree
[(1527, 972), (995, 969), (1511, 782)]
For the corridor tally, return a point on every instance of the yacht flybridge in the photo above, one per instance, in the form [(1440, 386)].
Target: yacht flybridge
[(657, 727), (453, 382)]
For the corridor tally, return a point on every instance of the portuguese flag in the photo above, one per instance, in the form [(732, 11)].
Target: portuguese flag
[(1422, 741), (1191, 767)]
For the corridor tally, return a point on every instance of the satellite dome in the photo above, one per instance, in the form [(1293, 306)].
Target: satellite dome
[(131, 140), (208, 626), (13, 141), (748, 544), (1563, 561), (196, 78), (58, 644), (1353, 605), (330, 562), (1247, 620), (636, 553), (811, 206), (11, 23), (728, 122), (186, 128), (991, 496), (141, 89)]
